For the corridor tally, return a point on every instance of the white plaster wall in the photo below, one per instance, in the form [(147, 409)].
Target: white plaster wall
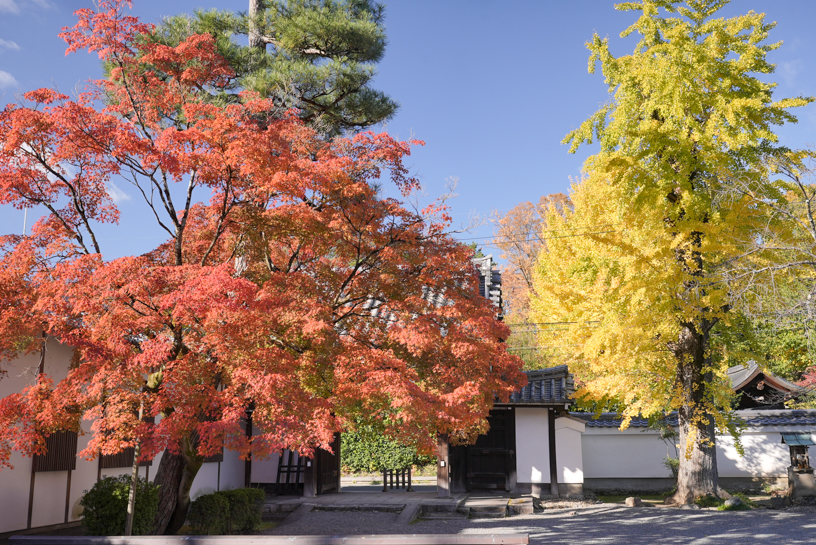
[(265, 471), (568, 450), (232, 471), (49, 498), (610, 453), (765, 456), (532, 445), (206, 480), (14, 486), (82, 478), (57, 360), (15, 483)]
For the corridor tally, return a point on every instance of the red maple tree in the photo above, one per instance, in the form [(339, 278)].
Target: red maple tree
[(287, 283)]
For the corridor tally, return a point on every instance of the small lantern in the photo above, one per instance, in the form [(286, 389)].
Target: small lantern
[(799, 444)]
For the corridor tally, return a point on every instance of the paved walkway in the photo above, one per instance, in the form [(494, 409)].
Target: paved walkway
[(602, 524), (405, 507), (366, 498)]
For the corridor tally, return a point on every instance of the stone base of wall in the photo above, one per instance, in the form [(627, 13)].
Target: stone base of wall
[(619, 486), (41, 529), (744, 484), (622, 486), (543, 490)]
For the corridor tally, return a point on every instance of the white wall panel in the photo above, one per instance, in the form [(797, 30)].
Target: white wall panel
[(532, 445), (568, 450), (232, 471), (765, 456), (49, 498), (609, 453)]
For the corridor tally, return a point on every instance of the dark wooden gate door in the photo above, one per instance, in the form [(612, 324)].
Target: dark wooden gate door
[(491, 462), (328, 467)]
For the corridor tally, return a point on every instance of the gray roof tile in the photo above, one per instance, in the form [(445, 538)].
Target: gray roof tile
[(553, 386), (752, 418)]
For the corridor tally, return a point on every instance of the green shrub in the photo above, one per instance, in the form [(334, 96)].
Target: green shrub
[(256, 498), (673, 465), (746, 505), (209, 515), (708, 501), (745, 499), (105, 506), (367, 450), (227, 512)]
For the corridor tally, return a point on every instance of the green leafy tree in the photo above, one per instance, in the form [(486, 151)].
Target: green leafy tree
[(646, 281), (318, 56), (368, 449)]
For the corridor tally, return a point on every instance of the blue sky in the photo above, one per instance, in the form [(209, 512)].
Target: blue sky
[(491, 87)]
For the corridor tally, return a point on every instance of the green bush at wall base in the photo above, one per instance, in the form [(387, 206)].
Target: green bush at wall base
[(105, 506), (227, 512)]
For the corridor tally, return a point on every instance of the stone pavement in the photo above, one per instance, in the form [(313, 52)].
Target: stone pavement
[(601, 524), (408, 506), (364, 498)]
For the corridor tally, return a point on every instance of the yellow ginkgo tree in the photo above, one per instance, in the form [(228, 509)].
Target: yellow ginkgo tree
[(638, 275)]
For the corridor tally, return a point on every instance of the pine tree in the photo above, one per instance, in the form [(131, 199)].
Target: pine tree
[(318, 56)]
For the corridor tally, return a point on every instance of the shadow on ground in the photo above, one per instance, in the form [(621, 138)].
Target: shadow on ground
[(603, 524)]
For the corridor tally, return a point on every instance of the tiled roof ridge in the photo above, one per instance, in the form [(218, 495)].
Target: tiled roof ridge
[(550, 386), (751, 417)]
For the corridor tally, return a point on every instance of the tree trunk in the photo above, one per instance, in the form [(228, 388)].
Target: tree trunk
[(697, 475), (167, 478), (175, 477), (134, 481), (188, 474), (255, 38)]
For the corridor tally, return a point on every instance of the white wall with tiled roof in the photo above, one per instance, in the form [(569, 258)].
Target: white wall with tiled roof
[(636, 454)]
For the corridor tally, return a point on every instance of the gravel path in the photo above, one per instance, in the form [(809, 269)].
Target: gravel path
[(607, 524)]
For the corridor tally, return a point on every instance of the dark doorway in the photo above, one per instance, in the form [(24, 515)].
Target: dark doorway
[(491, 461), (328, 467)]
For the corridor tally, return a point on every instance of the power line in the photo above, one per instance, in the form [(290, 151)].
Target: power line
[(536, 239), (555, 323)]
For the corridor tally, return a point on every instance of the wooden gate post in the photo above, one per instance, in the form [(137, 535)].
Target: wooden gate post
[(310, 477), (442, 466), (553, 461)]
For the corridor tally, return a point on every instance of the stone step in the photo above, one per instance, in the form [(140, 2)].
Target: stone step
[(442, 515), (487, 511)]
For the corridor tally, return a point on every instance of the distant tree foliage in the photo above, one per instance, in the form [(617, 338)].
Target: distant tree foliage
[(367, 451), (521, 234), (477, 251)]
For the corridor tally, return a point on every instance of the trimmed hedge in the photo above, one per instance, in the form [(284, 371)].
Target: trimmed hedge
[(368, 451), (209, 515), (228, 512), (105, 506)]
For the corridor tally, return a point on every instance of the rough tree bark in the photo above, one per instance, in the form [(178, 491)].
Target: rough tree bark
[(256, 39), (697, 475), (175, 477), (167, 478)]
